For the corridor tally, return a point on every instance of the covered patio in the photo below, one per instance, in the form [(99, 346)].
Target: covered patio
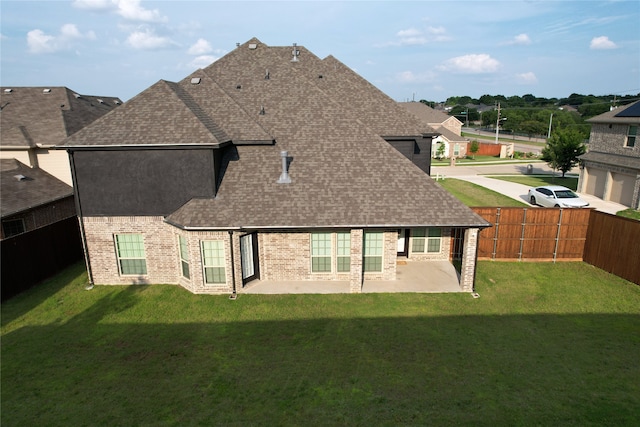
[(411, 276)]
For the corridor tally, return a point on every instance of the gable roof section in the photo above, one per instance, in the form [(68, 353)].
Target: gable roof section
[(162, 115), (450, 135), (36, 189), (427, 114), (629, 114), (343, 173), (46, 116)]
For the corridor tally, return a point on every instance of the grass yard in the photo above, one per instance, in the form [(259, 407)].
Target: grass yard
[(539, 180), (545, 344), (630, 213), (475, 195)]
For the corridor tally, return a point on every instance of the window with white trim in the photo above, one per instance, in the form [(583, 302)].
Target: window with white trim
[(213, 262), (130, 254), (631, 136), (343, 253), (373, 249), (184, 256), (321, 252), (426, 240)]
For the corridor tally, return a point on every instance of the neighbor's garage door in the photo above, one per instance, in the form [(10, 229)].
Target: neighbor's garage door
[(622, 188), (595, 181)]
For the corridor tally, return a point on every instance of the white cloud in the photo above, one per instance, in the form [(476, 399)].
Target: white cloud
[(200, 48), (39, 42), (471, 64), (411, 77), (147, 40), (602, 43), (129, 9), (520, 40), (203, 61), (528, 78)]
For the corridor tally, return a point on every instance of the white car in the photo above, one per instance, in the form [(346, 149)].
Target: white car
[(555, 196)]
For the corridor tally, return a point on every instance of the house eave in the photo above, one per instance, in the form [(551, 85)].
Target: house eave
[(126, 147)]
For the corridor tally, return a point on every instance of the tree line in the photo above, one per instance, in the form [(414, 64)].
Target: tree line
[(530, 115)]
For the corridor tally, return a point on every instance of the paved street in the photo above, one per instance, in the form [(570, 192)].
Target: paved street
[(477, 175)]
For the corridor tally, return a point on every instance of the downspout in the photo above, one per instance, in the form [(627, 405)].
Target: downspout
[(83, 235), (233, 296)]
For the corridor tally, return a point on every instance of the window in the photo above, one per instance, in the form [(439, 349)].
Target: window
[(213, 261), (456, 150), (184, 256), (320, 252), (373, 243), (13, 227), (343, 256), (426, 238), (631, 136), (130, 253)]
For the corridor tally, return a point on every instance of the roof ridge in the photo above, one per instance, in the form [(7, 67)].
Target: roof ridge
[(199, 113)]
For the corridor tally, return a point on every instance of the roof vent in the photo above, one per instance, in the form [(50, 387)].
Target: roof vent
[(253, 46), (116, 102), (266, 75), (196, 80), (284, 176), (100, 101), (320, 76), (76, 95), (237, 44), (262, 112), (295, 52), (20, 177), (46, 90), (8, 90), (238, 86)]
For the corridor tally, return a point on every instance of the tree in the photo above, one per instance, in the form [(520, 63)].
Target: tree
[(473, 148), (563, 149), (440, 150)]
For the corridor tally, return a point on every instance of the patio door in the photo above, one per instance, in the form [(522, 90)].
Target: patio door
[(249, 257), (403, 242)]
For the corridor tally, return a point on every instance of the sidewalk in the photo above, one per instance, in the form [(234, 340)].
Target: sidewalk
[(516, 191)]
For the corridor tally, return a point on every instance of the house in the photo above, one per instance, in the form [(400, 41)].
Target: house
[(31, 198), (270, 163), (35, 119), (610, 169), (449, 130)]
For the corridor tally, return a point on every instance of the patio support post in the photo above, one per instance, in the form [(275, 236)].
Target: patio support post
[(469, 258), (356, 277)]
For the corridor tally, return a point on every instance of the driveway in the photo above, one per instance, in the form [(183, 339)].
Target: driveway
[(475, 174)]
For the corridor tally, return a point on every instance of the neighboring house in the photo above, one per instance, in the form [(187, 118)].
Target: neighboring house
[(610, 169), (271, 163), (31, 198), (448, 128), (34, 119)]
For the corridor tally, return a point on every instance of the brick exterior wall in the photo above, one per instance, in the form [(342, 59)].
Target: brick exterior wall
[(46, 214), (283, 256), (468, 267), (605, 139)]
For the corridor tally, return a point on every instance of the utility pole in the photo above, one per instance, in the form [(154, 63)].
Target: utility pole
[(549, 133), (498, 123)]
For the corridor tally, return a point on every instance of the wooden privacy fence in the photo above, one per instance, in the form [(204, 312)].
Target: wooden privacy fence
[(533, 234), (613, 244)]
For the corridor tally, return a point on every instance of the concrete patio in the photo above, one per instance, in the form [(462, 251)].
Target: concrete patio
[(411, 276)]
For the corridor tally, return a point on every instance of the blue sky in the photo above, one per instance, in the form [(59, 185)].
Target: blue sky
[(410, 50)]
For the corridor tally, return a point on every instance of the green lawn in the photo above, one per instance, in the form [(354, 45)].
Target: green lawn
[(545, 344), (475, 195), (539, 180), (630, 213)]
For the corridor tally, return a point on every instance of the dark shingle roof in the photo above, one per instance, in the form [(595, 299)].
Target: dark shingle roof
[(46, 116), (343, 173), (618, 115), (23, 188), (612, 159)]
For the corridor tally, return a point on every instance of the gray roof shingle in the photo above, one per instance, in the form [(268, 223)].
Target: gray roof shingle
[(35, 189), (611, 116), (343, 172), (46, 116)]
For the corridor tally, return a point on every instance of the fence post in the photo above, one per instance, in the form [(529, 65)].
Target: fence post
[(555, 250), (495, 235), (524, 223)]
